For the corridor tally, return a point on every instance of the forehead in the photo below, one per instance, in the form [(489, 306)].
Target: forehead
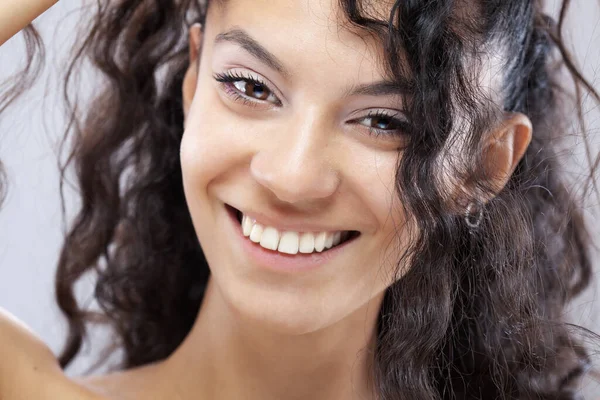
[(321, 47), (308, 35)]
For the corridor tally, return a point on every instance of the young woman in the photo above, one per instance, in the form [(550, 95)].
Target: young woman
[(319, 199)]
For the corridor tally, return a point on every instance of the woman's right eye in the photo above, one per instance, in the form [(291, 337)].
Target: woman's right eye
[(246, 89)]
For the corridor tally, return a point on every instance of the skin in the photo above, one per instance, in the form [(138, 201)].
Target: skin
[(15, 15), (264, 334)]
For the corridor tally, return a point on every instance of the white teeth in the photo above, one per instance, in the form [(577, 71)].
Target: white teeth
[(307, 243), (329, 240), (256, 233), (246, 226), (337, 238), (288, 243), (270, 238), (320, 241)]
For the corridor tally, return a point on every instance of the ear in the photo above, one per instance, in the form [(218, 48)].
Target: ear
[(503, 150), (191, 76)]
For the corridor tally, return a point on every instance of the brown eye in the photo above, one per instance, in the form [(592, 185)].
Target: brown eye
[(381, 122), (384, 123), (246, 89), (252, 89)]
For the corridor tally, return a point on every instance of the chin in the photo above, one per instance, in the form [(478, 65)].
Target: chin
[(276, 310)]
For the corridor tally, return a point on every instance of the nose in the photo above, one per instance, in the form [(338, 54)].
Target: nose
[(295, 164)]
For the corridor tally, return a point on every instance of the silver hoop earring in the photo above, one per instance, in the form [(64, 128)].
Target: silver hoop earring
[(474, 215)]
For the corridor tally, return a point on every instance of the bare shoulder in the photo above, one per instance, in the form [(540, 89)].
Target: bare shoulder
[(29, 369), (18, 343), (143, 382)]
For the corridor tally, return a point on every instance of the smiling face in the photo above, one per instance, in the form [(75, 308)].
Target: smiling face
[(294, 126)]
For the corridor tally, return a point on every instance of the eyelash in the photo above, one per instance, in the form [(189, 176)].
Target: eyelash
[(227, 78)]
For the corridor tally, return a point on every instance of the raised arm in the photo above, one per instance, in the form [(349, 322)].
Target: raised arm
[(17, 14)]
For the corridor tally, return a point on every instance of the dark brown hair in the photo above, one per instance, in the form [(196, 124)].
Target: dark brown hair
[(480, 312)]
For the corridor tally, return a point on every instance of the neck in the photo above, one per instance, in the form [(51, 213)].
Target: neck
[(226, 356)]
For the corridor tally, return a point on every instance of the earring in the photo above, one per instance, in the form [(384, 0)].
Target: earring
[(474, 215)]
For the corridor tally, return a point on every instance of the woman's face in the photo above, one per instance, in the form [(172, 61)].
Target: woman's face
[(311, 148)]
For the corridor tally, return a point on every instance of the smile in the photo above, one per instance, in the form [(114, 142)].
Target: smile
[(280, 247), (290, 242)]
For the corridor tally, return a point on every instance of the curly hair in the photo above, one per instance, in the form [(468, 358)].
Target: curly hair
[(479, 314)]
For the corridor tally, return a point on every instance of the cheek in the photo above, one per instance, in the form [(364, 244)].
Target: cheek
[(374, 176), (202, 156), (378, 189), (212, 143)]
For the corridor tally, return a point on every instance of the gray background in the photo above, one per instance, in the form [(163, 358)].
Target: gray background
[(30, 222)]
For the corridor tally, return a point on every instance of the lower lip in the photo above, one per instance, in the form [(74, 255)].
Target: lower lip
[(284, 262)]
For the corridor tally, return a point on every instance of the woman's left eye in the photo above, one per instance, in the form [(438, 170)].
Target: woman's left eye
[(247, 89), (384, 123)]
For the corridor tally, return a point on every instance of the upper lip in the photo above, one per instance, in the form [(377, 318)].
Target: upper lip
[(283, 224)]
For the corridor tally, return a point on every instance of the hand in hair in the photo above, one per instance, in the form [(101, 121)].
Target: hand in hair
[(16, 15)]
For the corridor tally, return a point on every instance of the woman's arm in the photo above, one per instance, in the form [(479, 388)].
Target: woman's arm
[(21, 350), (28, 368), (17, 14)]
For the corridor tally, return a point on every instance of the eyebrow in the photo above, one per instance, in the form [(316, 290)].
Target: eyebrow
[(252, 46), (248, 43)]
